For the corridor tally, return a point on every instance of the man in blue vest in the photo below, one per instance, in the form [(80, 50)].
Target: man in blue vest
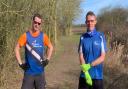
[(34, 41), (92, 50)]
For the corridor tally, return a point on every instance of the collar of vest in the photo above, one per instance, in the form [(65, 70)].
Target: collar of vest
[(91, 33)]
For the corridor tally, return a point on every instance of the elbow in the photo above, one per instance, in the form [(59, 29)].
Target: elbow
[(16, 49), (51, 48), (102, 60)]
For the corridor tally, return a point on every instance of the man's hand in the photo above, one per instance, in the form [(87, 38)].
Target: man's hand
[(24, 66), (45, 62), (88, 78), (85, 67)]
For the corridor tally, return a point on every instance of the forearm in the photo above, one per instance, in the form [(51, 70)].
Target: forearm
[(17, 54), (98, 60), (49, 52), (81, 59)]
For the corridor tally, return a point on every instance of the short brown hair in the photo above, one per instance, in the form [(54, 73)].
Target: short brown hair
[(36, 15), (90, 13)]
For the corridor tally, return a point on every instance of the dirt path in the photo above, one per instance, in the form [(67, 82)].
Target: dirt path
[(63, 71)]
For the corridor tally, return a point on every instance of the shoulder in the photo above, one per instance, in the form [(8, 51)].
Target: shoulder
[(45, 37), (22, 39), (84, 35), (27, 33), (23, 35), (100, 33), (44, 34)]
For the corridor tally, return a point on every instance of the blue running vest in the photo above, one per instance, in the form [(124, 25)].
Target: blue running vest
[(35, 67), (91, 44)]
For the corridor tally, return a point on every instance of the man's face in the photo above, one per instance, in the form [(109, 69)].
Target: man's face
[(36, 24), (91, 22)]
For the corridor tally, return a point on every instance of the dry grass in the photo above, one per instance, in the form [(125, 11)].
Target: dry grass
[(116, 73), (113, 58), (10, 73)]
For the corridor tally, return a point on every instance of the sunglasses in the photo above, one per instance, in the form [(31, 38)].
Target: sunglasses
[(90, 21), (37, 23)]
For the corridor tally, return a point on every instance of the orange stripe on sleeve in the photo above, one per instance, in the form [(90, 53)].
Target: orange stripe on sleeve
[(22, 40)]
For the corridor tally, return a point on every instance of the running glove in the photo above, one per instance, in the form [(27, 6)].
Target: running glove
[(45, 62), (85, 67), (88, 78), (24, 66)]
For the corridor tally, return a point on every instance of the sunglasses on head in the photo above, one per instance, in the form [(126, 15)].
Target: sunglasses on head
[(37, 23)]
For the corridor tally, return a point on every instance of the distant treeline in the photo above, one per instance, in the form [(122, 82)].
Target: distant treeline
[(114, 22)]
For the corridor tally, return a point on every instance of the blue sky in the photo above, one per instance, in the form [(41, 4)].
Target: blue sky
[(96, 6)]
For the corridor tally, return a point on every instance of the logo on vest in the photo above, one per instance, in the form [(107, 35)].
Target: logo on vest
[(36, 44), (96, 43)]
